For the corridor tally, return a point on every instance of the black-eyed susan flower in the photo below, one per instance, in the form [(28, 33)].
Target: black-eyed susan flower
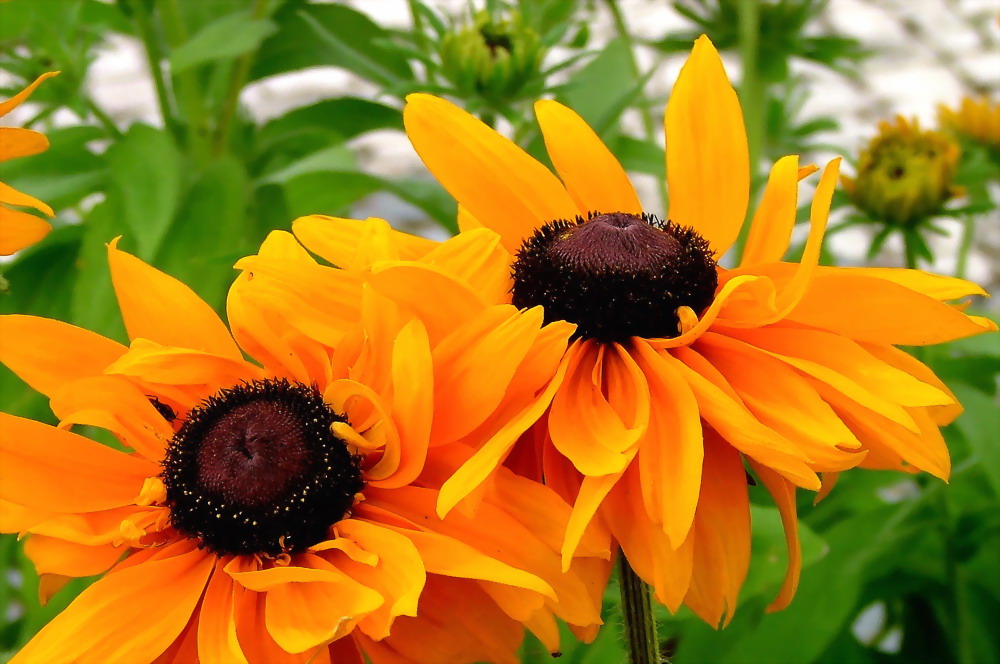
[(976, 118), (905, 174), (273, 512), (680, 371), (20, 229)]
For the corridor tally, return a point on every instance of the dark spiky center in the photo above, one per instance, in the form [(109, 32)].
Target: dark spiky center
[(256, 469), (615, 275)]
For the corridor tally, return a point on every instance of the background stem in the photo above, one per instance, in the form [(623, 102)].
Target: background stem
[(150, 42), (648, 126), (189, 94), (751, 101), (236, 81)]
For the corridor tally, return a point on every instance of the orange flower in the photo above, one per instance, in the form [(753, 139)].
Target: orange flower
[(20, 229), (680, 370), (275, 512)]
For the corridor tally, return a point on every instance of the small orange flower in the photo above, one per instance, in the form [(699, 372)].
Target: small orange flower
[(20, 229), (280, 512)]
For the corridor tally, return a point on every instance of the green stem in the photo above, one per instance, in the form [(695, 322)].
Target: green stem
[(956, 581), (236, 81), (155, 58), (418, 27), (910, 250), (751, 99), (42, 115), (968, 236), (104, 119), (637, 613), (189, 93), (648, 126)]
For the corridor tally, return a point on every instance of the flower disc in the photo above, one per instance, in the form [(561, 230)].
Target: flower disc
[(256, 469), (615, 275)]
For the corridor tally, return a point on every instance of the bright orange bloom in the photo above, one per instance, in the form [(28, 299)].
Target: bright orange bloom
[(680, 370), (280, 512), (20, 229)]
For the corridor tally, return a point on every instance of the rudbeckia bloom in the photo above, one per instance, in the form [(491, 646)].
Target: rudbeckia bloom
[(20, 229), (979, 119), (905, 174), (267, 513), (679, 370)]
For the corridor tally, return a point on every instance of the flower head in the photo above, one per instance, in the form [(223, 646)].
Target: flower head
[(905, 174), (493, 59), (272, 512), (978, 119), (679, 370), (19, 229)]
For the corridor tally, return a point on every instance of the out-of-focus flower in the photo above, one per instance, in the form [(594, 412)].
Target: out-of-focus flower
[(275, 513), (19, 229), (680, 370), (979, 119), (905, 174), (492, 59)]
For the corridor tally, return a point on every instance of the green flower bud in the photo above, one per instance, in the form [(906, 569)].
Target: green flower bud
[(494, 60), (905, 174)]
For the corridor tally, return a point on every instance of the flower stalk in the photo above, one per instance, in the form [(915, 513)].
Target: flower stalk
[(637, 613)]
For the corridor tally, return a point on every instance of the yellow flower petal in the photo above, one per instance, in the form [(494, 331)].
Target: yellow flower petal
[(47, 354), (12, 196), (157, 307), (771, 229), (46, 468), (592, 175), (18, 99), (96, 627), (503, 187), (19, 230), (708, 167), (354, 245)]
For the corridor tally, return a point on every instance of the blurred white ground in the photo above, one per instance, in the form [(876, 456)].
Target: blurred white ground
[(927, 52)]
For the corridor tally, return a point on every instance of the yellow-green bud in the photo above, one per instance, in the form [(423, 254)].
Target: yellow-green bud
[(904, 174), (494, 60)]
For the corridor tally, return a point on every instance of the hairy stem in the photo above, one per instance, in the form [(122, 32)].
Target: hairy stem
[(637, 612)]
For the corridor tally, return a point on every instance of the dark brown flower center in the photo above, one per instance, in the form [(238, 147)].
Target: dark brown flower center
[(256, 469), (615, 275)]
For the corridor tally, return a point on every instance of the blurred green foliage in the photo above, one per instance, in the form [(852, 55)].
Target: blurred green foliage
[(898, 568)]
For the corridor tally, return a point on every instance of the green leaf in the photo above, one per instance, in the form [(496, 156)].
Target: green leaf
[(94, 305), (210, 234), (224, 38), (65, 173), (769, 559), (825, 603), (979, 424), (641, 156), (604, 88), (334, 192), (342, 118), (145, 172), (315, 35), (333, 158)]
